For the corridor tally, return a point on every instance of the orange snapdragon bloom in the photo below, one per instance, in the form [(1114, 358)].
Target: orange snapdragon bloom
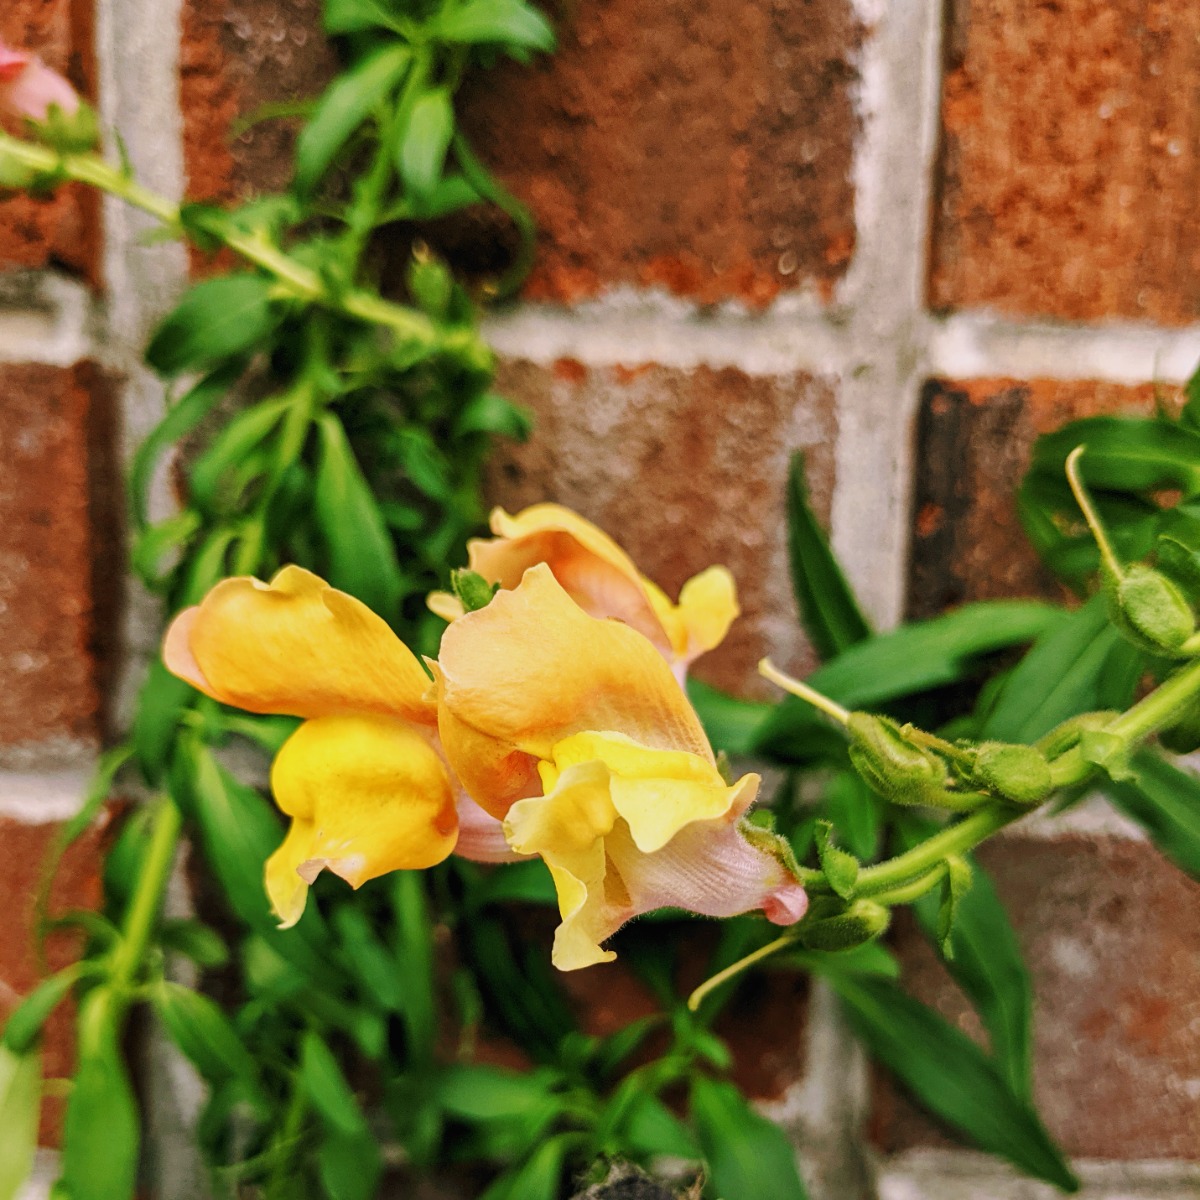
[(602, 579)]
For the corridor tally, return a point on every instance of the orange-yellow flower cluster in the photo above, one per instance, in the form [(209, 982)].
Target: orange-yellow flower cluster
[(553, 723)]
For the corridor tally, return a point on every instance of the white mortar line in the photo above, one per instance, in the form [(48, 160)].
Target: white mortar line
[(43, 797), (45, 318)]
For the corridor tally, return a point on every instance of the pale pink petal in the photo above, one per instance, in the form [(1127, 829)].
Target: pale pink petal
[(480, 836), (33, 91)]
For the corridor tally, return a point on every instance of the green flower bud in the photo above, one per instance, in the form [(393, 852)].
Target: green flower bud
[(832, 924), (1150, 610), (896, 768), (472, 589), (1018, 773)]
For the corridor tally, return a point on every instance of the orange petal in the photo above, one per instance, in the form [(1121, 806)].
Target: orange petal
[(296, 646), (531, 669)]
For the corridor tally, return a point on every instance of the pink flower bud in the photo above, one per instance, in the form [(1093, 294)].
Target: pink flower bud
[(29, 88)]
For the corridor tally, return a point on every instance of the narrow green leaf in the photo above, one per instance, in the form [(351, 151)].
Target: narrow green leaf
[(328, 1090), (539, 1177), (356, 16), (204, 1034), (347, 103), (414, 952), (162, 701), (829, 609), (951, 1076), (748, 1157), (182, 417), (422, 152), (216, 320), (508, 22), (195, 940), (102, 1129), (650, 1130), (473, 1092), (350, 1167), (25, 1023), (371, 961), (1165, 800), (230, 449), (492, 414), (732, 725), (20, 1107), (362, 559), (855, 811)]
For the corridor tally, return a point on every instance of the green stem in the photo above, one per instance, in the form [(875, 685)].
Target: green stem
[(1160, 708), (955, 839), (300, 281), (144, 908), (280, 1185), (1090, 515), (906, 893), (734, 969)]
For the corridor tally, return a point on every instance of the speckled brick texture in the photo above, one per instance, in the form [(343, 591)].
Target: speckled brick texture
[(24, 851), (60, 564), (1070, 160), (1111, 932), (974, 439), (63, 230), (236, 57), (685, 469), (699, 146)]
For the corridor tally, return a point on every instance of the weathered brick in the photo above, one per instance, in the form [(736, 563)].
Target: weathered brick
[(685, 469), (701, 147), (1070, 161), (60, 562), (24, 853), (1111, 933), (236, 57), (973, 446), (64, 230)]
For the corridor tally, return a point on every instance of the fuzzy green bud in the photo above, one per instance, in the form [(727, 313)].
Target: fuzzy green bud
[(891, 764), (1150, 610), (832, 924), (472, 589), (1018, 773)]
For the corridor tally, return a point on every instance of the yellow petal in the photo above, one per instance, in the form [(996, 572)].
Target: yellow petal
[(595, 572), (708, 606), (567, 828), (531, 669), (296, 646), (445, 605), (286, 890), (374, 791), (657, 792)]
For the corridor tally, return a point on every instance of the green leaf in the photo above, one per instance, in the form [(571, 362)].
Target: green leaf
[(426, 139), (912, 659), (350, 1167), (218, 319), (102, 1132), (230, 449), (828, 607), (25, 1023), (732, 725), (1074, 667), (951, 1076), (162, 701), (195, 940), (650, 1129), (494, 415), (20, 1107), (1164, 800), (414, 953), (748, 1157), (955, 887), (1190, 416), (474, 1092), (182, 417), (204, 1034), (538, 1178), (519, 882), (362, 559), (371, 961), (326, 1086), (988, 965), (509, 22), (855, 811), (841, 869), (347, 103), (355, 16), (156, 542)]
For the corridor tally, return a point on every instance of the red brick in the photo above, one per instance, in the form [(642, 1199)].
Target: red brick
[(973, 447), (1111, 932), (1070, 162), (60, 566), (24, 853), (686, 469), (702, 147), (236, 57), (64, 230)]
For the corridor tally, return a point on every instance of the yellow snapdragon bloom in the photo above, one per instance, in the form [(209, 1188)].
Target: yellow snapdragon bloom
[(602, 579), (574, 730), (363, 779)]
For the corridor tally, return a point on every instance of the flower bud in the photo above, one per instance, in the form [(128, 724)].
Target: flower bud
[(1150, 610), (896, 768), (1018, 773), (472, 589), (29, 89), (833, 925)]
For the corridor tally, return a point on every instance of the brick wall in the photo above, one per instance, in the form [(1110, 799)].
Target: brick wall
[(904, 238)]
